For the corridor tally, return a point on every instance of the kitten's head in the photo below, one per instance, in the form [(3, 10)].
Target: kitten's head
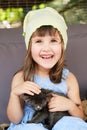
[(38, 101)]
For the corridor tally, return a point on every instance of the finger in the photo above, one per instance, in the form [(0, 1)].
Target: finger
[(52, 109), (29, 92), (33, 88), (51, 105), (54, 95), (33, 84), (52, 100)]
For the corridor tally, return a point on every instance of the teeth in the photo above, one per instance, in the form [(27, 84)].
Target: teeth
[(47, 57)]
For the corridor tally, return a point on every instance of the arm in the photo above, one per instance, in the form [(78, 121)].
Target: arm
[(74, 96), (14, 108), (15, 104), (72, 104)]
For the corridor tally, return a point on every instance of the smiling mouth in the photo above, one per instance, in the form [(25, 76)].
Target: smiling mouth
[(47, 57)]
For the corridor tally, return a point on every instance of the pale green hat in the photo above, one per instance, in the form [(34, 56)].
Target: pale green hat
[(46, 16)]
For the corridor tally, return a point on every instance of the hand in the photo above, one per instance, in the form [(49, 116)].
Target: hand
[(58, 103), (26, 87)]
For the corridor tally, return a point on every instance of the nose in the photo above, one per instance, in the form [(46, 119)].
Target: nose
[(46, 46), (38, 108)]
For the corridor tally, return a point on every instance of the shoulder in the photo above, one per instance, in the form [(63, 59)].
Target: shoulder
[(71, 79), (17, 79), (18, 75)]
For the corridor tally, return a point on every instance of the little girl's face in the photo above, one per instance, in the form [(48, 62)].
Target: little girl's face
[(46, 50)]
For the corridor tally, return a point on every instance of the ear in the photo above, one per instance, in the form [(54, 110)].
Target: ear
[(25, 97), (49, 95)]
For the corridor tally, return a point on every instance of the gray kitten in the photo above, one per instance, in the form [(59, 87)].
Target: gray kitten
[(40, 104)]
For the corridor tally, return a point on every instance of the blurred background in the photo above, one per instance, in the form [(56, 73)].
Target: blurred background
[(12, 12)]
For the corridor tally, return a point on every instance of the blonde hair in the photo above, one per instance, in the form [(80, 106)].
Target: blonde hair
[(55, 73)]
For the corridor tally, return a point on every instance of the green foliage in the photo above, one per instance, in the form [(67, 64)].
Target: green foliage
[(11, 14), (2, 15), (74, 11), (40, 6)]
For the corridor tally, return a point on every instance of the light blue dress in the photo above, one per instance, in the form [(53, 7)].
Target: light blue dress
[(66, 123)]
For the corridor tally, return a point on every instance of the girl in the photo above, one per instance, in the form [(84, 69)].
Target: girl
[(46, 41)]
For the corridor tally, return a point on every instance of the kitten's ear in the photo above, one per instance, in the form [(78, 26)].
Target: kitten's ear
[(25, 97), (48, 91), (49, 94)]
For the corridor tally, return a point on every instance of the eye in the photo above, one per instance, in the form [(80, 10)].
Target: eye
[(38, 41), (53, 40)]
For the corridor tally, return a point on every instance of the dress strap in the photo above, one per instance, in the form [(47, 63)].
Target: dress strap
[(65, 73)]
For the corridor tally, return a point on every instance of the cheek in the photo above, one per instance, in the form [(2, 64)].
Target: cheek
[(34, 51), (57, 51)]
